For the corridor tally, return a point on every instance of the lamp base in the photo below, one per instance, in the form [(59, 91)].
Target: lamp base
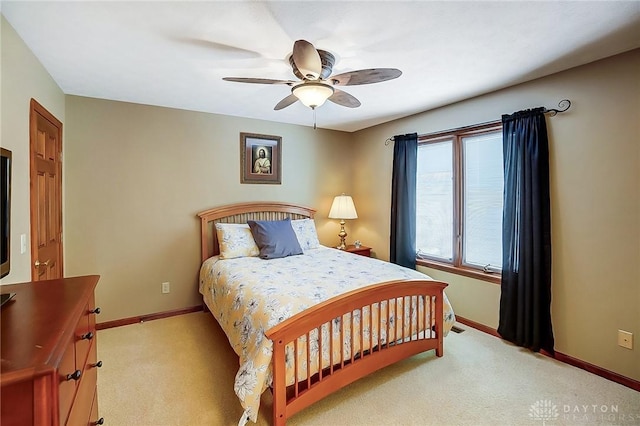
[(343, 235)]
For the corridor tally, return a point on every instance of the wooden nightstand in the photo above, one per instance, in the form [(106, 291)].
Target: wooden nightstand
[(362, 250)]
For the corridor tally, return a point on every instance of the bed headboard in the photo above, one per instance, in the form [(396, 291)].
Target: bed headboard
[(241, 213)]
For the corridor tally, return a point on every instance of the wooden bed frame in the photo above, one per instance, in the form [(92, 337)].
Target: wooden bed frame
[(298, 330)]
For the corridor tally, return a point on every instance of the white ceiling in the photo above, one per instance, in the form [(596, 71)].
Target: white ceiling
[(175, 54)]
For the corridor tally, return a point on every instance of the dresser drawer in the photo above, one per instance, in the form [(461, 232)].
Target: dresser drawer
[(81, 410), (67, 384), (83, 414), (94, 419), (92, 312), (85, 333), (80, 357)]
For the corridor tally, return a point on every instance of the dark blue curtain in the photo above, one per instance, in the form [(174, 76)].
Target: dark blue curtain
[(403, 200), (525, 301)]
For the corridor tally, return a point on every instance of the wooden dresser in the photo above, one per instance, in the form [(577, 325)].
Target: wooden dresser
[(49, 365)]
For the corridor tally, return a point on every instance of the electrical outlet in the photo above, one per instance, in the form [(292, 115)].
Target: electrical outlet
[(166, 287), (625, 339)]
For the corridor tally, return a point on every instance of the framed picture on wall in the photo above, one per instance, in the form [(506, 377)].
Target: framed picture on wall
[(261, 158)]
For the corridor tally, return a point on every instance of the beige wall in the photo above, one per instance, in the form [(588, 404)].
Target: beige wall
[(22, 78), (137, 175), (595, 197)]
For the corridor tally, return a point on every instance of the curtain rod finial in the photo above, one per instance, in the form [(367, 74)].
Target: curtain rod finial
[(563, 105)]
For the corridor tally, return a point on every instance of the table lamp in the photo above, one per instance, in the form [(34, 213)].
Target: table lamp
[(343, 208)]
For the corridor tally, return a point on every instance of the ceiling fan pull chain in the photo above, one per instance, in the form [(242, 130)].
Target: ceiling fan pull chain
[(314, 119)]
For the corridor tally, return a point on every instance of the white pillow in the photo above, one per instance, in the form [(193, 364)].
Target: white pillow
[(236, 240), (305, 230)]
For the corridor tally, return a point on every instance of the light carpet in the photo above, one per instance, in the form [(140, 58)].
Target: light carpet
[(180, 371)]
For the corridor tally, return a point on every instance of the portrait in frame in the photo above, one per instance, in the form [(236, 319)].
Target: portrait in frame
[(261, 158)]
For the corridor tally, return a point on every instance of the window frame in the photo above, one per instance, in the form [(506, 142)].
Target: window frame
[(457, 266)]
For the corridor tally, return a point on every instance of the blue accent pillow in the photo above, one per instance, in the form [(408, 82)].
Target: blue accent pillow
[(275, 238)]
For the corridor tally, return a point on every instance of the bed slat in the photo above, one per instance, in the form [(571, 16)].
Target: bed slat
[(345, 307)]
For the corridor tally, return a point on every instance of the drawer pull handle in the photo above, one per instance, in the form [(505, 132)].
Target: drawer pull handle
[(87, 336), (75, 375), (95, 311), (97, 364), (100, 421)]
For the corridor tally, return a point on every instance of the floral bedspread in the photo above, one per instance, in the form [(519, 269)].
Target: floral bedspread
[(249, 295)]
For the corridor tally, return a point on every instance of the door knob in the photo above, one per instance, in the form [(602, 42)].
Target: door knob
[(39, 264)]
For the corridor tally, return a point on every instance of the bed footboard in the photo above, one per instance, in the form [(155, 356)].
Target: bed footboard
[(362, 331)]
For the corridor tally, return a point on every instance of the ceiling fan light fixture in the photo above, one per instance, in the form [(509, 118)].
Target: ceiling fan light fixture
[(312, 94)]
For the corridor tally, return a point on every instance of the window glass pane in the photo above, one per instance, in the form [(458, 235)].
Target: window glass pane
[(434, 203), (483, 184)]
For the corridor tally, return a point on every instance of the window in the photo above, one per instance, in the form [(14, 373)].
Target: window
[(459, 201)]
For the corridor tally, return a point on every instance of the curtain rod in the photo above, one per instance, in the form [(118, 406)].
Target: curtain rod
[(563, 105)]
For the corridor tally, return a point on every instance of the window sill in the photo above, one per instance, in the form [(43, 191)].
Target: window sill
[(459, 270)]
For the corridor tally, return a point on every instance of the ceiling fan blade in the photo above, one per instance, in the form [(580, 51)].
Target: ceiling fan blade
[(258, 80), (373, 75), (219, 49), (307, 59), (286, 102), (343, 98)]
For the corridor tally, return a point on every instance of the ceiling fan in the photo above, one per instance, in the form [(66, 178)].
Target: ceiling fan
[(313, 67)]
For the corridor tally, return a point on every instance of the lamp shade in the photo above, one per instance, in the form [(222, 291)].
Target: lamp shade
[(343, 208), (312, 94)]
